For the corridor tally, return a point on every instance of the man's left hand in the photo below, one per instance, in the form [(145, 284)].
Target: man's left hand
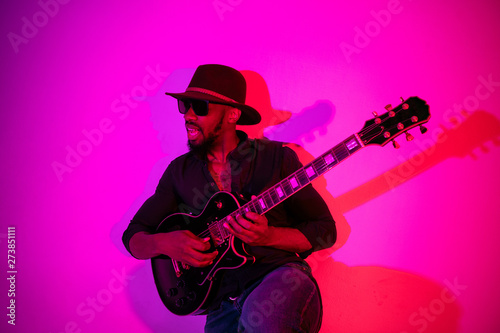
[(252, 228)]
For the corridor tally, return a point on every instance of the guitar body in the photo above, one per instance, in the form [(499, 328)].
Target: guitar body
[(187, 290)]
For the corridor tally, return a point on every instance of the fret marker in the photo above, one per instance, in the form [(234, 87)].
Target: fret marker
[(329, 159), (351, 144), (294, 182), (310, 172), (262, 203), (280, 191)]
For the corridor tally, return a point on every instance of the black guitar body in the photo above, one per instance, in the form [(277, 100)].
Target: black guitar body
[(186, 290)]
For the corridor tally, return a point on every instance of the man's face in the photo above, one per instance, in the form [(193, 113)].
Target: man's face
[(204, 132)]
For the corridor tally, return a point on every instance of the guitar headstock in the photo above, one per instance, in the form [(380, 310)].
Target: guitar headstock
[(386, 127)]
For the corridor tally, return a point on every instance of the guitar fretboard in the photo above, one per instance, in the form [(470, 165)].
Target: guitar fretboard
[(293, 183)]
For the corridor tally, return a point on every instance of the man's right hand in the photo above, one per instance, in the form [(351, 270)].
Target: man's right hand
[(184, 246), (181, 245)]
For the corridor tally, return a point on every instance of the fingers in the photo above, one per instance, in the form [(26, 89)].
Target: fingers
[(198, 254), (239, 226), (250, 221), (199, 244), (194, 249), (200, 259), (250, 228), (232, 226), (254, 217)]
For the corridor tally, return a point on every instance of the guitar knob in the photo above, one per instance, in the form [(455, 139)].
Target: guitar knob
[(180, 302), (172, 292), (181, 284), (423, 129), (409, 137), (191, 295), (395, 144)]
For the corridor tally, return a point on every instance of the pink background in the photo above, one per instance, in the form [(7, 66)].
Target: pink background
[(87, 131)]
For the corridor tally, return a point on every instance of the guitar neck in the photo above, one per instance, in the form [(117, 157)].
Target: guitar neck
[(296, 181)]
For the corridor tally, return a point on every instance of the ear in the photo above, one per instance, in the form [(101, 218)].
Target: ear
[(233, 115)]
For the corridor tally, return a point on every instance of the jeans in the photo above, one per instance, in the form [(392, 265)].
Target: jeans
[(285, 300)]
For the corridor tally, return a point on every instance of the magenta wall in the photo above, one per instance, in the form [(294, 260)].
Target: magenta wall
[(87, 131)]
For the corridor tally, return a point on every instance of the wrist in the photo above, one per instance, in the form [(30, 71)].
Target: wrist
[(155, 244), (271, 236)]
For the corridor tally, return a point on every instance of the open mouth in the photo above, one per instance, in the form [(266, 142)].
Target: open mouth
[(192, 131)]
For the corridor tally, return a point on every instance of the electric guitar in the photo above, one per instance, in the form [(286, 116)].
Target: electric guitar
[(188, 290)]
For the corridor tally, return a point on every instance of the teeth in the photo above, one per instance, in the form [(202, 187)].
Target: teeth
[(192, 132)]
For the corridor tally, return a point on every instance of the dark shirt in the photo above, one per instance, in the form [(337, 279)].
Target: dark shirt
[(256, 165)]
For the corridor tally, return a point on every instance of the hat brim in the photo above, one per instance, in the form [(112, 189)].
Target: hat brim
[(249, 116)]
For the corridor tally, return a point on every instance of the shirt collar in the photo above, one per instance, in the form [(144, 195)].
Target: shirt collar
[(242, 149)]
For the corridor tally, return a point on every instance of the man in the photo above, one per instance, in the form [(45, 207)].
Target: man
[(277, 292)]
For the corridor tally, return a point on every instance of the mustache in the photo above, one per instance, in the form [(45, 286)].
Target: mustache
[(192, 124)]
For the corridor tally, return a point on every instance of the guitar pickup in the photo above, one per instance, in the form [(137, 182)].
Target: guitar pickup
[(175, 265)]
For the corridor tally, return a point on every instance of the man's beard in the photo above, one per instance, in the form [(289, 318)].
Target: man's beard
[(208, 142)]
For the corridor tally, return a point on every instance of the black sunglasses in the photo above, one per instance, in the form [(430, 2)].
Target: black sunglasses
[(199, 106)]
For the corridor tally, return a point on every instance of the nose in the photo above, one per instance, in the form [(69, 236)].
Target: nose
[(190, 115)]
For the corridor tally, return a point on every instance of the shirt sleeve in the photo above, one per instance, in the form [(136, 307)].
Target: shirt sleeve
[(154, 210), (310, 210)]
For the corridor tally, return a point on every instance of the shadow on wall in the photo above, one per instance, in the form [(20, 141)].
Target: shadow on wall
[(356, 299), (377, 299)]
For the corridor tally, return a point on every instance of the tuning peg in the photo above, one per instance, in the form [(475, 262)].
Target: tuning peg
[(395, 144), (409, 137), (423, 129), (375, 114), (402, 99), (388, 107)]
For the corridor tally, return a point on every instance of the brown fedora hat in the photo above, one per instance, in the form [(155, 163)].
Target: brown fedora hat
[(222, 85)]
